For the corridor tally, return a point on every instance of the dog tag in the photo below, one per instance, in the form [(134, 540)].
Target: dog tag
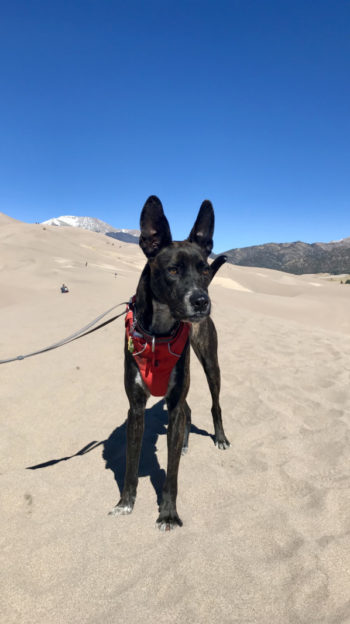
[(130, 345)]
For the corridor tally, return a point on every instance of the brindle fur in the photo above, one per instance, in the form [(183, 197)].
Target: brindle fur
[(173, 287)]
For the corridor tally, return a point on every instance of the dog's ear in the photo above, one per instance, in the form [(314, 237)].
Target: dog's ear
[(203, 229), (155, 230), (216, 264)]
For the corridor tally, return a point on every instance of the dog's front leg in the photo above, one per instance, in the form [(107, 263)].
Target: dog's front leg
[(176, 403), (137, 396), (187, 428), (168, 517), (135, 426), (205, 345)]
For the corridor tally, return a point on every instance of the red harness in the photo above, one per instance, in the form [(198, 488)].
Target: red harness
[(155, 357)]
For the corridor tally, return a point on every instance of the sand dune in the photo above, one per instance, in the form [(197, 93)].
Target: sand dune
[(266, 523)]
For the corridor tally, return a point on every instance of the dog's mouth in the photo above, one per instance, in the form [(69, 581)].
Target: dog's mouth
[(195, 317), (192, 316)]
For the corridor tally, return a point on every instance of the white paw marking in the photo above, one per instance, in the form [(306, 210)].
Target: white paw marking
[(120, 511)]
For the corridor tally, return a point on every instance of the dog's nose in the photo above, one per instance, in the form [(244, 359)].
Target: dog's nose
[(199, 301)]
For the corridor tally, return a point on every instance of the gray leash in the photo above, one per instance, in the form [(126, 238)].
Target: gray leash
[(84, 331)]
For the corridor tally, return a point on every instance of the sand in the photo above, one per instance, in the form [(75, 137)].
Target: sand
[(266, 534)]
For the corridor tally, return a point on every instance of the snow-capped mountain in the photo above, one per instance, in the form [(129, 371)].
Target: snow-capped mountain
[(95, 225)]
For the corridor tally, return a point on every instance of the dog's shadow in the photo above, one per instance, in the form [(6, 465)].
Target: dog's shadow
[(114, 449)]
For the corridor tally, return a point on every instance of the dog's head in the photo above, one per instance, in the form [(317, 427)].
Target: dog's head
[(179, 271)]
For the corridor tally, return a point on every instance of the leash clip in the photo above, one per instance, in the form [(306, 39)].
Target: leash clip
[(153, 344)]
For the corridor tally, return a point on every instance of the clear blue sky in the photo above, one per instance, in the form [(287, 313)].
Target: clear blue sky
[(244, 102)]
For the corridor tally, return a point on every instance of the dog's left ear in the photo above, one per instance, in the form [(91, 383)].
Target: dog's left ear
[(216, 264), (203, 229), (155, 230)]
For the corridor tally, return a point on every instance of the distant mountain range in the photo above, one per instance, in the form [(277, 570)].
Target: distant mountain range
[(297, 258), (95, 225)]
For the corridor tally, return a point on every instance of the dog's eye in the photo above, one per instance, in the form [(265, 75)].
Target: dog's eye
[(173, 270), (204, 268)]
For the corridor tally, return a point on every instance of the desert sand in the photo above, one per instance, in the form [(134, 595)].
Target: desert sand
[(266, 534)]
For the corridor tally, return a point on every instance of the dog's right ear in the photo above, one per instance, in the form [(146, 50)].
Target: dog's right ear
[(155, 230)]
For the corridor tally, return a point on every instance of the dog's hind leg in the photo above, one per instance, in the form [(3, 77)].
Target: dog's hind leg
[(205, 345)]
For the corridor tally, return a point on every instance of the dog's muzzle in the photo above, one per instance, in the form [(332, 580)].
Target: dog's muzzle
[(199, 305)]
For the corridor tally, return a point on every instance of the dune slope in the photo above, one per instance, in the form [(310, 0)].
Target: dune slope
[(266, 523)]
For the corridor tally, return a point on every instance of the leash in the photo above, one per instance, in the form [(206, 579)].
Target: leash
[(84, 331)]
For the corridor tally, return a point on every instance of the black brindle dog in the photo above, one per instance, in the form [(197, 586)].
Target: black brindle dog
[(173, 287)]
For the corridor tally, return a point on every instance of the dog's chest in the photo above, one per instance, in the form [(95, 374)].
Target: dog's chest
[(162, 319)]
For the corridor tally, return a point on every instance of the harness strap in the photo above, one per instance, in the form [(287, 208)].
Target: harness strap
[(136, 329), (155, 356)]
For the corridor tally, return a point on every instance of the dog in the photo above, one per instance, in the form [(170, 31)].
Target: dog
[(169, 312)]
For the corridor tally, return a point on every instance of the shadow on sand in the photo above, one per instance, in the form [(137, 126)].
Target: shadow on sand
[(114, 449)]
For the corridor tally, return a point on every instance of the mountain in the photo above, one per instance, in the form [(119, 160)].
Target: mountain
[(297, 258), (95, 225)]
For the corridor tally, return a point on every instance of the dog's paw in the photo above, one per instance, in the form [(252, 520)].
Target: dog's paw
[(168, 521), (121, 510), (222, 444), (184, 450)]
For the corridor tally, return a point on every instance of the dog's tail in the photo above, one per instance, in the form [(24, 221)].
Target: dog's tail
[(216, 264)]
